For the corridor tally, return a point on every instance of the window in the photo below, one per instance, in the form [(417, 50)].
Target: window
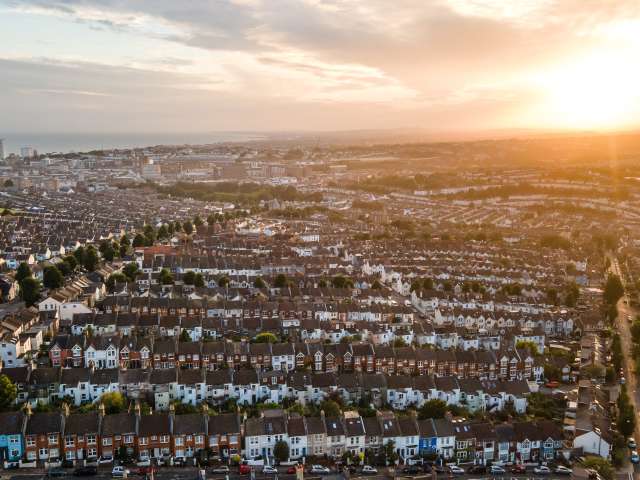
[(68, 441), (53, 439), (164, 439), (106, 441), (179, 441), (144, 441), (128, 439), (91, 439), (70, 455), (31, 442), (43, 453)]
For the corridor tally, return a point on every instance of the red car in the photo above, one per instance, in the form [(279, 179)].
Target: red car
[(519, 469), (291, 470), (552, 384), (244, 469)]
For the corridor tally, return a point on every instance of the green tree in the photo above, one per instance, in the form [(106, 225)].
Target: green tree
[(281, 451), (189, 277), (259, 283), (432, 409), (600, 465), (109, 252), (124, 240), (197, 221), (163, 233), (71, 261), (184, 336), (114, 402), (8, 393), (376, 285), (91, 259), (613, 290), (115, 279), (138, 241), (165, 277), (280, 281), (223, 282), (23, 271), (188, 227), (30, 290), (341, 281), (130, 270), (52, 278), (331, 408), (266, 337), (198, 281), (79, 254)]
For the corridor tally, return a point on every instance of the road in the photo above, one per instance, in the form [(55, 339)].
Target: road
[(623, 326)]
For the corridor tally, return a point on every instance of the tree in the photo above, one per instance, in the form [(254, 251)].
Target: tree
[(281, 451), (124, 240), (165, 277), (71, 261), (399, 343), (527, 345), (266, 337), (197, 221), (114, 279), (8, 183), (189, 277), (573, 293), (331, 408), (184, 336), (432, 409), (613, 290), (223, 282), (109, 252), (341, 281), (79, 254), (130, 270), (188, 227), (163, 233), (91, 259), (198, 281), (23, 271), (600, 465), (280, 281), (30, 290), (8, 393), (138, 240), (52, 278), (376, 285), (259, 283), (114, 402)]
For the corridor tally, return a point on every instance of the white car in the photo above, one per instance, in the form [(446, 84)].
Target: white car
[(369, 470), (456, 470), (269, 470), (221, 469), (319, 469), (119, 471), (103, 460), (144, 462), (631, 443), (562, 470), (542, 470), (497, 470)]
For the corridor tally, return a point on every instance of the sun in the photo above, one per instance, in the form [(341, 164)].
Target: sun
[(598, 91)]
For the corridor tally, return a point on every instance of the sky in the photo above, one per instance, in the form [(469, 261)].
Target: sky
[(293, 65)]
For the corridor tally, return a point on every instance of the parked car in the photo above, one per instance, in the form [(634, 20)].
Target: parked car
[(552, 384), (369, 470), (221, 469), (103, 460), (143, 462), (245, 469), (119, 471), (269, 470), (542, 470), (411, 470), (319, 469), (562, 470), (635, 458), (631, 443), (56, 473), (477, 470), (456, 470), (497, 470), (519, 468), (87, 471), (291, 470)]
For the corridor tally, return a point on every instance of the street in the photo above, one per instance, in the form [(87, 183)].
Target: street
[(624, 330)]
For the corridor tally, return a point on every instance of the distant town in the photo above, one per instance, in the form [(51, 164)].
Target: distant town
[(445, 308)]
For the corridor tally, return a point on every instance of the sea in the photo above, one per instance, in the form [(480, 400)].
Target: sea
[(84, 142)]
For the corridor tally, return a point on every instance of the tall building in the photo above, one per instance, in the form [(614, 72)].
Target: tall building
[(27, 152), (1, 149)]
